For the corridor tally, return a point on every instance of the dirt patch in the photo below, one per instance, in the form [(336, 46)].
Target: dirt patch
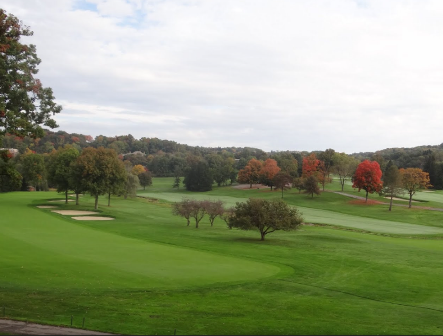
[(92, 218), (400, 199), (363, 202), (248, 186), (74, 212), (24, 328), (47, 206)]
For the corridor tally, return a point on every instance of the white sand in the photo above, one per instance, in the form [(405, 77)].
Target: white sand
[(47, 206), (92, 218), (74, 212), (62, 200)]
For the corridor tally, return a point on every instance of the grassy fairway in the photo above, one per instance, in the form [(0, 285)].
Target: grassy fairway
[(146, 272)]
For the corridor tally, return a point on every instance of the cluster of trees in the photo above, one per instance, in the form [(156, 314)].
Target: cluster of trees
[(266, 216), (98, 171)]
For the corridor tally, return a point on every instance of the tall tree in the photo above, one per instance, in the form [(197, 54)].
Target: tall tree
[(34, 169), (145, 179), (10, 178), (266, 216), (268, 171), (392, 184), (414, 179), (344, 166), (213, 209), (198, 177), (310, 165), (310, 185), (368, 177), (327, 157), (24, 103), (251, 173), (59, 168), (283, 181)]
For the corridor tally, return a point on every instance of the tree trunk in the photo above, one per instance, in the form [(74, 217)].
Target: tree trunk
[(250, 185), (367, 196), (109, 199), (262, 235), (66, 195), (96, 202), (342, 184), (390, 205), (410, 200), (76, 198), (188, 221)]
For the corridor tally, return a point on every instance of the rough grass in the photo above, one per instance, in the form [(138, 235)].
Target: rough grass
[(331, 281)]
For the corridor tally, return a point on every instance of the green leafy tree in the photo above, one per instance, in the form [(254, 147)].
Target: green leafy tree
[(145, 179), (310, 186), (59, 168), (10, 178), (266, 216), (177, 177), (283, 181), (344, 166), (117, 179), (24, 103), (392, 184), (34, 169), (132, 183), (198, 177)]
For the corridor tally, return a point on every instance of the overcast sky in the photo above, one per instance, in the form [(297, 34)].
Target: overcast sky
[(352, 75)]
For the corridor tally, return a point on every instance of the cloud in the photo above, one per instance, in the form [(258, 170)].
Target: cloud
[(301, 75)]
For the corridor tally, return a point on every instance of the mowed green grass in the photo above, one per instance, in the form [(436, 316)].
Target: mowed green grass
[(320, 280)]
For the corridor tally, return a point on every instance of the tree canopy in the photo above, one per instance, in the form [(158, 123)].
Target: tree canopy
[(25, 104), (368, 177)]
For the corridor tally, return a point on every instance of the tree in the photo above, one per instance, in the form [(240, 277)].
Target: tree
[(344, 166), (59, 168), (118, 180), (310, 186), (310, 164), (368, 177), (198, 211), (131, 185), (283, 181), (213, 209), (299, 183), (323, 174), (392, 184), (145, 179), (327, 157), (268, 171), (34, 170), (138, 169), (10, 178), (183, 209), (177, 174), (266, 216), (414, 179), (24, 103), (198, 177), (251, 173), (227, 214)]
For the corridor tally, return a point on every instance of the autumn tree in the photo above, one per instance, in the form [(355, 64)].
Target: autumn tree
[(414, 179), (310, 185), (24, 103), (344, 166), (283, 181), (145, 179), (323, 174), (268, 171), (251, 173), (368, 177), (266, 216), (138, 169), (183, 209), (310, 165), (198, 211), (213, 209), (60, 169), (392, 184)]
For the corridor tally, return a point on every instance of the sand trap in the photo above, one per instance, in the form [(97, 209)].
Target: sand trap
[(92, 218), (47, 206), (62, 200), (74, 212), (73, 195)]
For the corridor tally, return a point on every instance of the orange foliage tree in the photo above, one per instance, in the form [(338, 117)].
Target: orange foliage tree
[(268, 172), (310, 165), (368, 177), (138, 169), (413, 179), (251, 173)]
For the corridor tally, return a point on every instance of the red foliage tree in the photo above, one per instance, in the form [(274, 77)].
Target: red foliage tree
[(268, 172), (251, 173), (310, 165), (368, 177)]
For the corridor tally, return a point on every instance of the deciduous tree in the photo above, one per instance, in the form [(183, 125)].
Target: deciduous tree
[(183, 209), (198, 177), (24, 103), (392, 184), (310, 186), (213, 209), (344, 166), (310, 165), (268, 171), (138, 169), (283, 181), (251, 173), (145, 179), (414, 179), (266, 216), (368, 177)]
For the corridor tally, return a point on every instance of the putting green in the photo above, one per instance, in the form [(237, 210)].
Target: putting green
[(46, 251), (319, 216)]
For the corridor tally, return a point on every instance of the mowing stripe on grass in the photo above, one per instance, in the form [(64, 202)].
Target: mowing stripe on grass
[(318, 216)]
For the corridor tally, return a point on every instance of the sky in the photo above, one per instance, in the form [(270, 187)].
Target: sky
[(352, 75)]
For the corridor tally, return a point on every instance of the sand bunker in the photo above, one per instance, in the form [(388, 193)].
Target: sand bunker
[(47, 206), (73, 195), (74, 212), (92, 218), (62, 200)]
